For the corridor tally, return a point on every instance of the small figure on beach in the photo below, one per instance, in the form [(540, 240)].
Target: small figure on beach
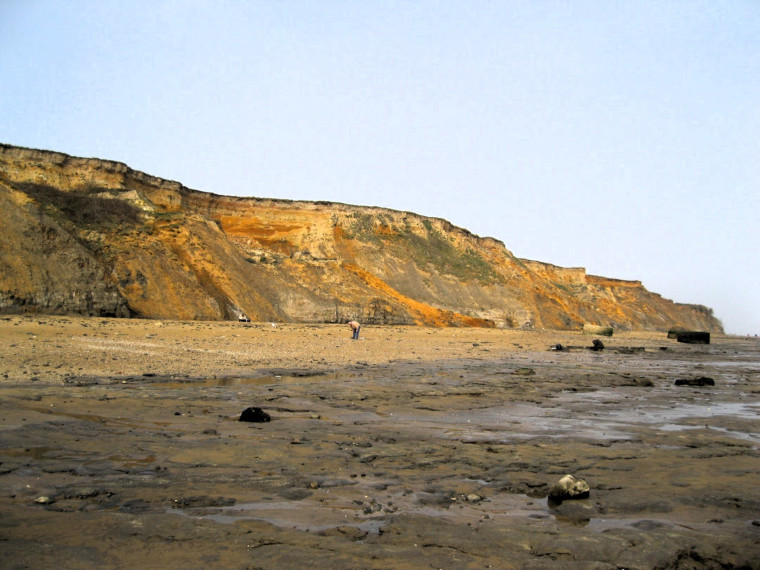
[(355, 327)]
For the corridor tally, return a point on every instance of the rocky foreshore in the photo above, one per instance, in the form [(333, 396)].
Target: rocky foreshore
[(121, 446)]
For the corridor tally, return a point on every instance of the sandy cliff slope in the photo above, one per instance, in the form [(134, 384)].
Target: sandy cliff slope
[(90, 236)]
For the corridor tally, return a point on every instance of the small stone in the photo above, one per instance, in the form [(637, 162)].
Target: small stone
[(44, 500), (473, 498)]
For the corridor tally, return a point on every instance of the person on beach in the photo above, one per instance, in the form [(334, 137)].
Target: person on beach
[(355, 327)]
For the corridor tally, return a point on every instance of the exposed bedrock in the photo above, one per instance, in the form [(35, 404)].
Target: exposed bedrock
[(90, 236)]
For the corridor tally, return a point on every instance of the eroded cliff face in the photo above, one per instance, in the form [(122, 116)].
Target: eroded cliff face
[(94, 237)]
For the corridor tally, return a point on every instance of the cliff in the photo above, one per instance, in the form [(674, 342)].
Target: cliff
[(91, 236)]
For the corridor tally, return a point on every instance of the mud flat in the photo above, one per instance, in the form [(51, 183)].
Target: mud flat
[(120, 447)]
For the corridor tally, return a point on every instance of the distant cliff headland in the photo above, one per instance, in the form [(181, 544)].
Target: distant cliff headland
[(94, 237)]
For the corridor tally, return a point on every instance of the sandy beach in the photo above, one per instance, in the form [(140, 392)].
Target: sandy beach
[(120, 447), (51, 349)]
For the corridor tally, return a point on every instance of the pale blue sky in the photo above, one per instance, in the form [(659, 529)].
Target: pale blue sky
[(620, 136)]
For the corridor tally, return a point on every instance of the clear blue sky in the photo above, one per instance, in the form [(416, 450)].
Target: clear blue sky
[(620, 136)]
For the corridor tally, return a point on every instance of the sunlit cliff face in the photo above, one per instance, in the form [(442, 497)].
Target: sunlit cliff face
[(94, 237)]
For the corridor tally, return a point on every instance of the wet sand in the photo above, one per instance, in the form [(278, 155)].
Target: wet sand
[(120, 447)]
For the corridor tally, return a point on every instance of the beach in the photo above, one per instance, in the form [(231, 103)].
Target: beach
[(412, 447)]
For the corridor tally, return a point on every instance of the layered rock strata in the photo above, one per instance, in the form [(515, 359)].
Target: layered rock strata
[(91, 236)]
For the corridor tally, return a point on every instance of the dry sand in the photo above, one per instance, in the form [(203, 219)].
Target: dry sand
[(50, 349), (410, 448)]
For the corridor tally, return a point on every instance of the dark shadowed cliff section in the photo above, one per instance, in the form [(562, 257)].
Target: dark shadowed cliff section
[(90, 236)]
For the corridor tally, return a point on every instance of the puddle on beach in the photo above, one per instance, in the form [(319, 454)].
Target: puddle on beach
[(125, 422), (673, 415), (258, 380), (301, 515), (753, 437), (316, 516), (597, 415), (604, 414)]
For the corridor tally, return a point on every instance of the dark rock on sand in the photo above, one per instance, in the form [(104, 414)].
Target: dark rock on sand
[(701, 381), (256, 415), (597, 344)]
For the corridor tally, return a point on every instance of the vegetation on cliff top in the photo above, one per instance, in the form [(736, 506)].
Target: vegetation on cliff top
[(432, 249)]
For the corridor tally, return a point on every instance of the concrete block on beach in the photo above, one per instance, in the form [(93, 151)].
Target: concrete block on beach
[(693, 337)]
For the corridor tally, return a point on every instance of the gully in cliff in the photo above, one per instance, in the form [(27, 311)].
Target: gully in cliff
[(356, 327)]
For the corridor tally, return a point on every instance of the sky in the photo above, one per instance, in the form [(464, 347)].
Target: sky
[(619, 136)]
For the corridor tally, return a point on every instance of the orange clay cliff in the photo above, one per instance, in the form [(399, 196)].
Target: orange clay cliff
[(94, 237)]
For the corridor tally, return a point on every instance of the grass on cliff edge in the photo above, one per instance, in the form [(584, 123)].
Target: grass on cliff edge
[(433, 248)]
